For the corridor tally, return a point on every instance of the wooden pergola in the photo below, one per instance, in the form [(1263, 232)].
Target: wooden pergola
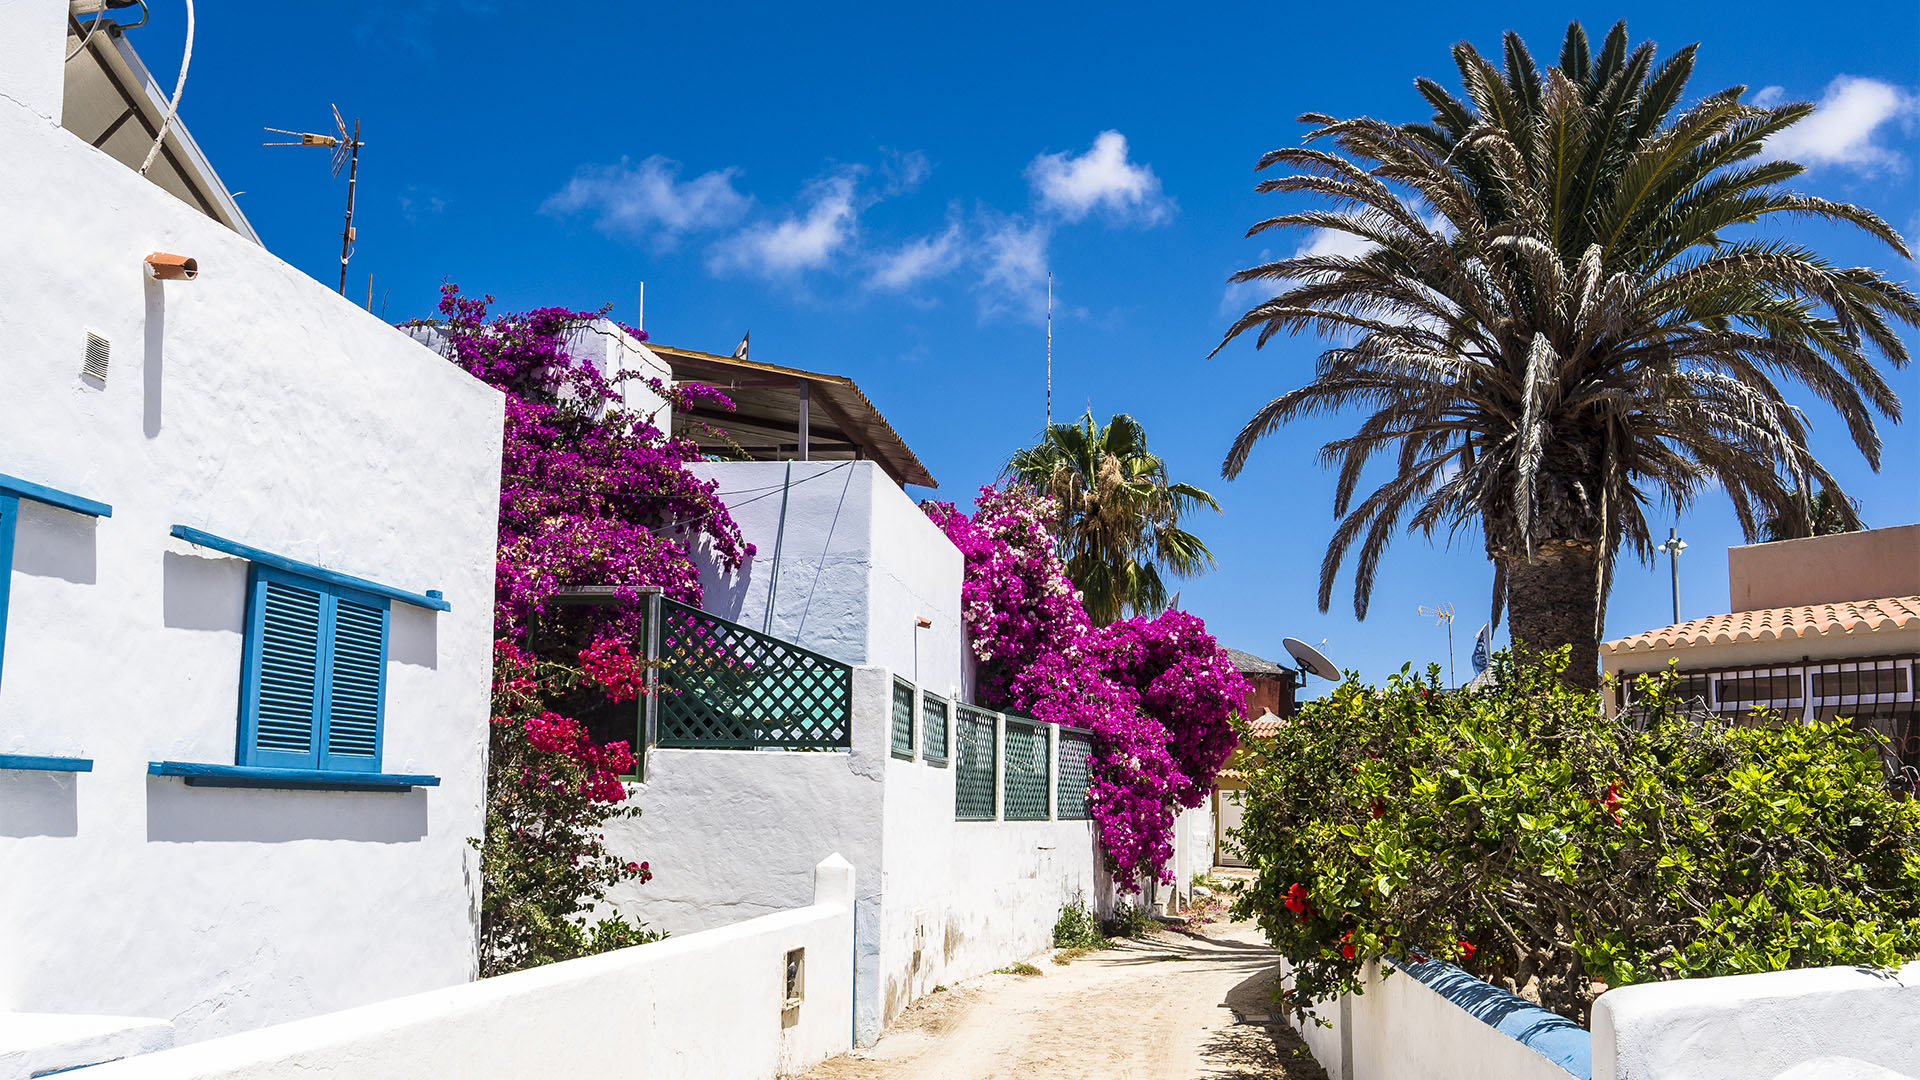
[(783, 413)]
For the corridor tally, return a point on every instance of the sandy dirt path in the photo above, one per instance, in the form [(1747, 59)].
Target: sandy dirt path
[(1179, 1006)]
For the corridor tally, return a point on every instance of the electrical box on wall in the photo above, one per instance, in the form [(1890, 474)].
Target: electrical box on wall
[(796, 978)]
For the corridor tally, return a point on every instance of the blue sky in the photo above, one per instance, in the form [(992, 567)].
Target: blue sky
[(880, 192)]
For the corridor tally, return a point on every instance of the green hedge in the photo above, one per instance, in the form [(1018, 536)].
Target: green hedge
[(1554, 852)]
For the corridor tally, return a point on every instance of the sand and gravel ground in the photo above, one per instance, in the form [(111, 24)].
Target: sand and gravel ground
[(1179, 1006)]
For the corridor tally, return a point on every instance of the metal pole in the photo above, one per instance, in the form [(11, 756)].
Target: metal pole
[(1049, 348), (806, 425), (346, 233), (1673, 567)]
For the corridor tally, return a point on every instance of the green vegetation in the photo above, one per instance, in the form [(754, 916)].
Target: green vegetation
[(1077, 928), (1554, 852), (1822, 515), (1120, 514), (1132, 921), (1564, 300), (1021, 968)]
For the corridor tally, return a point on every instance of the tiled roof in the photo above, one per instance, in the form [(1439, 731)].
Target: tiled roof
[(1266, 724), (1779, 624), (1249, 664)]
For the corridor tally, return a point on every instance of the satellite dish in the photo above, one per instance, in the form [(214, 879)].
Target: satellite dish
[(1311, 659)]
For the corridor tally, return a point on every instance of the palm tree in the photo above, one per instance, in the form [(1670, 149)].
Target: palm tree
[(1120, 513), (1562, 311), (1822, 515)]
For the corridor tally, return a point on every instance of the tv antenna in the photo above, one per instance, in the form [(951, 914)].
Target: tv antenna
[(1443, 613), (346, 151), (1049, 349), (1311, 660)]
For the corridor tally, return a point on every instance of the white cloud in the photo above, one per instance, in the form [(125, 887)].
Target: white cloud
[(1335, 242), (918, 259), (1013, 274), (650, 199), (904, 173), (1845, 126), (797, 243), (1769, 96), (1101, 178)]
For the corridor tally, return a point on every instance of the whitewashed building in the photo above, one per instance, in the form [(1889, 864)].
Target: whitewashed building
[(246, 575)]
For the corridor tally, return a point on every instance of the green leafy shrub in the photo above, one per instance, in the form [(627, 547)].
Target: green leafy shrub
[(1077, 928), (1131, 921), (1555, 852)]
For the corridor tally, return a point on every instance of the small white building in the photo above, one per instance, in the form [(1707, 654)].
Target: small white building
[(246, 576)]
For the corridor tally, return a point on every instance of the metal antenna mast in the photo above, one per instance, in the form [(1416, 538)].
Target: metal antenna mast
[(1049, 348), (346, 151)]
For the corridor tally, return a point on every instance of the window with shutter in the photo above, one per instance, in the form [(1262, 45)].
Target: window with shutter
[(313, 681)]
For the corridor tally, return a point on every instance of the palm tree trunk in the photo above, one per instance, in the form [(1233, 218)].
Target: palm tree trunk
[(1554, 600)]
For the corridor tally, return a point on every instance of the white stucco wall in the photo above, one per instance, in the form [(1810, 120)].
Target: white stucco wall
[(731, 834), (616, 352), (915, 572), (1401, 1029), (1745, 1026), (258, 405), (33, 41), (705, 1006), (858, 563), (960, 898)]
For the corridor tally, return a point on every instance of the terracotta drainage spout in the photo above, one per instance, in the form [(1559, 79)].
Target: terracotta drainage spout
[(168, 267)]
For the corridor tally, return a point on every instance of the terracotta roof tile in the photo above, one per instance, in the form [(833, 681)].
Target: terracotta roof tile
[(1778, 624), (1266, 724)]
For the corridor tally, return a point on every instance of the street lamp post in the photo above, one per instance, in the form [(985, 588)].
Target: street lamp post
[(1672, 549)]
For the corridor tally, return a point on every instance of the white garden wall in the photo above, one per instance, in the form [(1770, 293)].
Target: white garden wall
[(705, 1006), (1847, 1020), (258, 405), (1436, 1022)]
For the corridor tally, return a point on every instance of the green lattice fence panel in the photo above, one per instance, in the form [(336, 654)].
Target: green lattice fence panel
[(903, 694), (1028, 761), (974, 764), (933, 730), (1076, 771), (723, 686)]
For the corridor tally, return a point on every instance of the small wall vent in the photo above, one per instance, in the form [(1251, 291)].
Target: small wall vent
[(99, 350)]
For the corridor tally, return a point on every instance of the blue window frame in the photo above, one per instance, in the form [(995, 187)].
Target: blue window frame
[(313, 677), (12, 490), (9, 517)]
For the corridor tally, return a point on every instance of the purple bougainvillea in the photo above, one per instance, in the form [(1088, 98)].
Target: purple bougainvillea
[(590, 494), (1158, 693)]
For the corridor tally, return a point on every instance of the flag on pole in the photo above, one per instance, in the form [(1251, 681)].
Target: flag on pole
[(1482, 648)]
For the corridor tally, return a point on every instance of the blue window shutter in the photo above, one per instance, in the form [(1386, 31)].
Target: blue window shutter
[(9, 515), (356, 683), (280, 682)]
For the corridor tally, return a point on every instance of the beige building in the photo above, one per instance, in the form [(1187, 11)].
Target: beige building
[(1822, 627)]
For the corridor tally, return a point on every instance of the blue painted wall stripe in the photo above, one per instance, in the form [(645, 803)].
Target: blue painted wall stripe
[(1548, 1034), (431, 599), (41, 763), (40, 493)]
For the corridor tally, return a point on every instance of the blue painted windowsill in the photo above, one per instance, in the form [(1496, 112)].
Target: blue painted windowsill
[(202, 774), (46, 764)]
